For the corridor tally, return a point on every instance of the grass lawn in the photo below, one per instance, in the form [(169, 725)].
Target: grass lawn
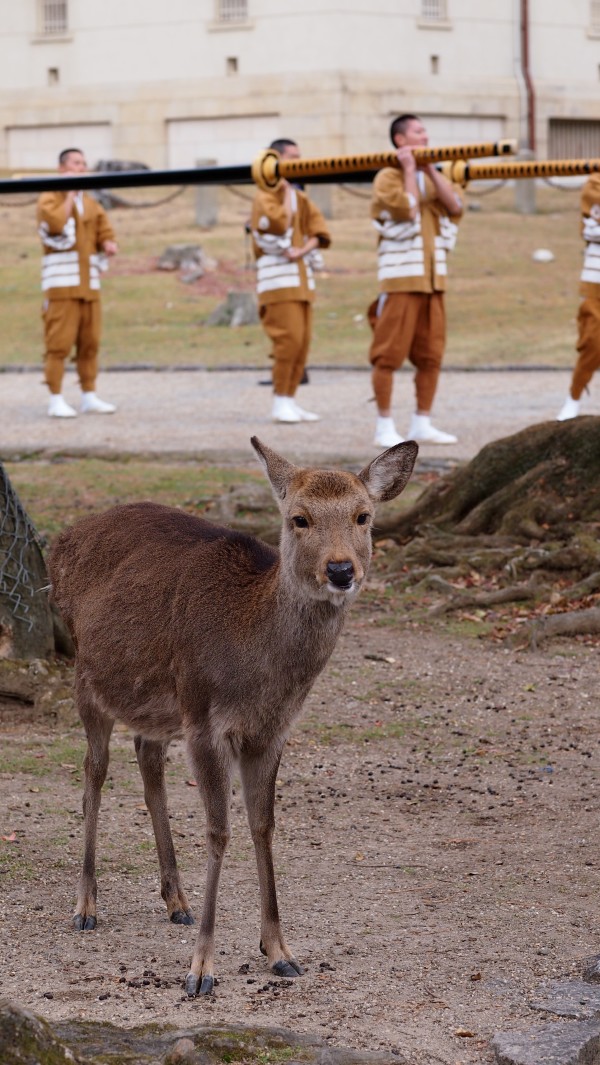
[(503, 308), (58, 491)]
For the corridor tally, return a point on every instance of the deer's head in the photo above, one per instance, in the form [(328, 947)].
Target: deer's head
[(327, 518)]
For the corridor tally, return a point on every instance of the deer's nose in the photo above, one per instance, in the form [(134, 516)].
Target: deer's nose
[(341, 574)]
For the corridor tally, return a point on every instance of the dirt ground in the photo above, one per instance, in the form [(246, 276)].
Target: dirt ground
[(436, 851)]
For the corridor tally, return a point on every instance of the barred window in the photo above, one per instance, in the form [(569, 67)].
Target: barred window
[(434, 10), (54, 17), (232, 10), (573, 138)]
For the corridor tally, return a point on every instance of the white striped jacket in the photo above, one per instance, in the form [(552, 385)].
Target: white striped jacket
[(589, 281), (72, 258), (591, 257), (411, 252), (278, 278)]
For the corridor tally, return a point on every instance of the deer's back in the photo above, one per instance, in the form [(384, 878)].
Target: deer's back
[(146, 548)]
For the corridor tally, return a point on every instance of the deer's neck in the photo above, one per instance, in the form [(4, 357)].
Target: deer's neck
[(303, 624)]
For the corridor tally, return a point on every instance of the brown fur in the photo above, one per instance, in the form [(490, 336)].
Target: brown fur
[(184, 627)]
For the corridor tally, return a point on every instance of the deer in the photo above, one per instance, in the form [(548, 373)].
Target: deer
[(184, 628)]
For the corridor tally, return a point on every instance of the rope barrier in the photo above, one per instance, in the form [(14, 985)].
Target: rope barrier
[(120, 201), (239, 194), (20, 203)]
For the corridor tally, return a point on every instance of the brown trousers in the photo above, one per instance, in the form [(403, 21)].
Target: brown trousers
[(411, 325), (289, 327), (588, 346), (69, 323)]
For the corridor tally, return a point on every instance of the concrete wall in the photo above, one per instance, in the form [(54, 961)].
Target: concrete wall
[(157, 83)]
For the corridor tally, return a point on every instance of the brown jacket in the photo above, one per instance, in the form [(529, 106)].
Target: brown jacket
[(411, 252), (70, 264), (279, 279), (589, 285)]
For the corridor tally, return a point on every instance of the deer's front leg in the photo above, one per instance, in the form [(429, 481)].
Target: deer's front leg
[(259, 773), (212, 765), (151, 757), (98, 730)]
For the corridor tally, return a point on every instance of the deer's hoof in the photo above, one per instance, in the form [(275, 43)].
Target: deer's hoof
[(181, 917), (83, 924), (289, 969), (193, 986)]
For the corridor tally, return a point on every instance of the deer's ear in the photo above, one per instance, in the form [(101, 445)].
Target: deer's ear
[(387, 475), (278, 470)]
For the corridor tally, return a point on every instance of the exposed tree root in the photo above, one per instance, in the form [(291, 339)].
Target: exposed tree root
[(462, 598), (571, 623), (517, 524), (588, 586)]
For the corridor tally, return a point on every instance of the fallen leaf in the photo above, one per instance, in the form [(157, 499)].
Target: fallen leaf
[(464, 1033)]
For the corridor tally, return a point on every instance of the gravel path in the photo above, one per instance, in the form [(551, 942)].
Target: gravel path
[(212, 414)]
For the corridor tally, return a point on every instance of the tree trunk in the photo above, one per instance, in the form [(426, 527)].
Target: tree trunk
[(520, 521), (26, 620), (538, 484)]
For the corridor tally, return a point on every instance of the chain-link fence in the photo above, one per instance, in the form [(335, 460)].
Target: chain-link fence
[(17, 534)]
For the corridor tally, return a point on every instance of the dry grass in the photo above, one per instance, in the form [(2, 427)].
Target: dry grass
[(503, 308)]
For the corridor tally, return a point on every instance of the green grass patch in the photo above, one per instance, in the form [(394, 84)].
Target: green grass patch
[(61, 756), (345, 732), (39, 760), (15, 866), (58, 491)]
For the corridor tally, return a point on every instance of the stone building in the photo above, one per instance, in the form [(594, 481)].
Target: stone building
[(171, 84)]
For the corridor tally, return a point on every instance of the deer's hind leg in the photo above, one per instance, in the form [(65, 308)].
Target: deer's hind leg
[(98, 728), (151, 757), (259, 775)]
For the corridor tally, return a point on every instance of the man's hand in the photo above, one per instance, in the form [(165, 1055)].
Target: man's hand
[(69, 204), (445, 191), (408, 165), (406, 158), (298, 253), (110, 247)]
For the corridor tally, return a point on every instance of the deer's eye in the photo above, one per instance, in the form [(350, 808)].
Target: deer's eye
[(363, 518), (300, 521)]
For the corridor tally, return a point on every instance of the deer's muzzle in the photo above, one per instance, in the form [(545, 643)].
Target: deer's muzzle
[(340, 574)]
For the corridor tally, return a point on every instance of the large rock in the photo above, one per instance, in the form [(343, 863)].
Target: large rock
[(577, 999), (238, 309), (555, 1044), (110, 198), (27, 1040), (190, 259)]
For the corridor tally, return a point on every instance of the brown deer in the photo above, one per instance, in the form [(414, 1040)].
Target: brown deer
[(185, 628)]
